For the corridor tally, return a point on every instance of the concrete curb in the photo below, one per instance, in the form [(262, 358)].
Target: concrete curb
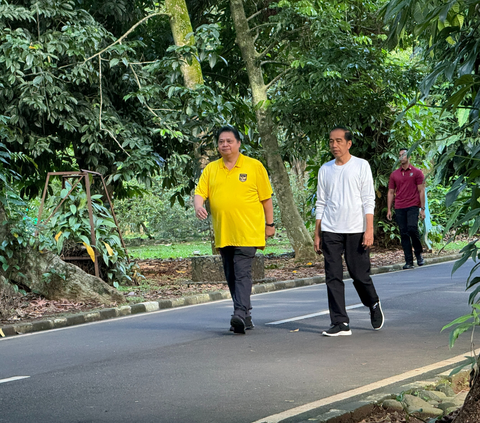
[(110, 313)]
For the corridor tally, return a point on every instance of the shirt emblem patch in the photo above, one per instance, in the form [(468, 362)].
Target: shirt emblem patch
[(242, 177), (411, 173)]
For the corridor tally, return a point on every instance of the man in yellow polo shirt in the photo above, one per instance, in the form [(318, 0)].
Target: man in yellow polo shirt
[(240, 197)]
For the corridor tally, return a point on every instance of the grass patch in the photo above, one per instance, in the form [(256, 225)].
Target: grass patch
[(454, 246), (275, 245)]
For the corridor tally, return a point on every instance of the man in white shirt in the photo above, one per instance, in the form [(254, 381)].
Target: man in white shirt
[(344, 224)]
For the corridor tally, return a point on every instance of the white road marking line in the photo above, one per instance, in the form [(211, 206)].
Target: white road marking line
[(11, 379), (308, 316), (276, 418)]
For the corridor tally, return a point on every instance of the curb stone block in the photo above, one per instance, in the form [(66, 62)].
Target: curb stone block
[(92, 317), (60, 322), (165, 304), (259, 289), (24, 328), (42, 325), (215, 296), (151, 306), (177, 302), (9, 331), (76, 319), (138, 308), (124, 311), (108, 313)]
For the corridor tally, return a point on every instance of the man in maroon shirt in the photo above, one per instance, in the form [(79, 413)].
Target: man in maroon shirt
[(407, 186)]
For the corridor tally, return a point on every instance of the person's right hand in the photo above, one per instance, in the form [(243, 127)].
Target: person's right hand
[(389, 215), (317, 244), (201, 213)]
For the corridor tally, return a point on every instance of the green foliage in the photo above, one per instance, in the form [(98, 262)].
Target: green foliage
[(156, 216), (17, 228), (79, 99), (69, 228), (390, 233)]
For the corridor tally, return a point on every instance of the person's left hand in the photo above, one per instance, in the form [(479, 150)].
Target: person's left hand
[(422, 214), (269, 231)]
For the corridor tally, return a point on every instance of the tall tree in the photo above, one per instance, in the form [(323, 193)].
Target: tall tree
[(298, 235)]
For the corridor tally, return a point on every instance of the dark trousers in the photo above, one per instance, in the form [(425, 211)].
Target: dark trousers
[(358, 264), (407, 220), (237, 265)]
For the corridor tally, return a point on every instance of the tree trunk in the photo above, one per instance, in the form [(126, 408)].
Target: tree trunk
[(47, 274), (181, 27), (470, 411), (298, 235)]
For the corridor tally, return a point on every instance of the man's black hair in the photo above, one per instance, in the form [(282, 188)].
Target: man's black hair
[(231, 129), (347, 133), (403, 149)]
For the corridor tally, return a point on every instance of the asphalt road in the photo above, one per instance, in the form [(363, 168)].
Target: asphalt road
[(183, 365)]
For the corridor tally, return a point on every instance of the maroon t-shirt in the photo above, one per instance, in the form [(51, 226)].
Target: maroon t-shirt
[(405, 183)]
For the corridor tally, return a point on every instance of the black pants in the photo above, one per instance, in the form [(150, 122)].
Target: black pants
[(237, 265), (407, 220), (357, 258)]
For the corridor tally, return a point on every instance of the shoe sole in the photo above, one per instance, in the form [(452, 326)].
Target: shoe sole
[(246, 328), (342, 333), (238, 324)]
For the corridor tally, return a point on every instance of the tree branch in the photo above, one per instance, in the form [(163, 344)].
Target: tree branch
[(279, 76), (270, 47), (101, 91), (255, 28), (140, 86), (101, 106), (256, 13), (274, 62), (125, 35)]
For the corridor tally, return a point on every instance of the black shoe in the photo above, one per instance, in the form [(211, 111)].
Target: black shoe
[(248, 324), (376, 316), (408, 266), (420, 260), (342, 329), (238, 324)]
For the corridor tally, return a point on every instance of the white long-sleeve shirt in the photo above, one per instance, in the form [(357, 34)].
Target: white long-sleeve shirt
[(345, 194)]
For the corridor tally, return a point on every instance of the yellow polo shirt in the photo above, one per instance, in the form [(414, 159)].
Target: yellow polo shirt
[(235, 201)]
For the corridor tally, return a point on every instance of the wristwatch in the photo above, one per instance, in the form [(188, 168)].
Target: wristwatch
[(272, 225), (422, 208)]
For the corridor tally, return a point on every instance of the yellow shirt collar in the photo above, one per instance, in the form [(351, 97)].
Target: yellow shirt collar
[(239, 162)]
